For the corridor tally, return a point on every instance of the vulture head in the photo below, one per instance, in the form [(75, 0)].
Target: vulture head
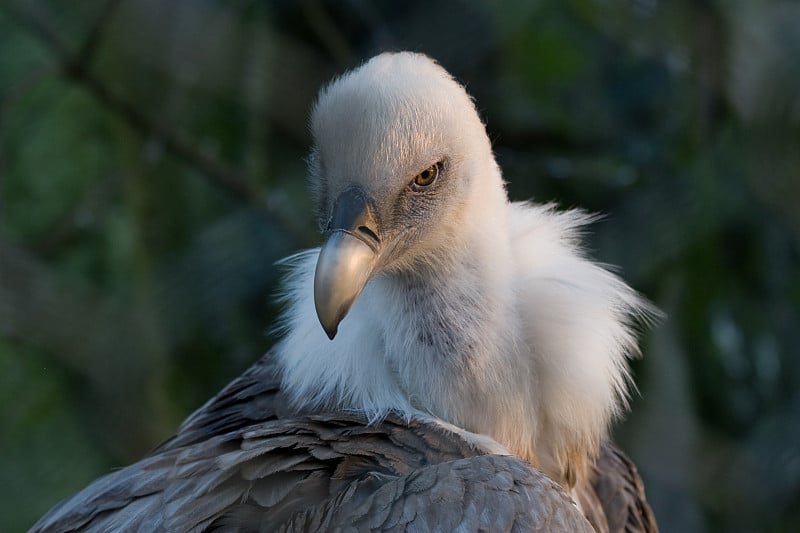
[(400, 158)]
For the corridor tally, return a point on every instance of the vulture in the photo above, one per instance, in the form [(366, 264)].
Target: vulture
[(449, 360)]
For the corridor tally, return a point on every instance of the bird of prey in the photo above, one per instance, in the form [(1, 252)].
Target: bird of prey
[(449, 361)]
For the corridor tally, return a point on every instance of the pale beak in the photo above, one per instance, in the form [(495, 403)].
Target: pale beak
[(347, 259)]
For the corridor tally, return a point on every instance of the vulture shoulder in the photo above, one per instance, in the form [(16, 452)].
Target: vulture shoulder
[(243, 463), (613, 499)]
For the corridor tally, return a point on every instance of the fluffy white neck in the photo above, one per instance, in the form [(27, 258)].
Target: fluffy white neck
[(451, 329), (450, 334), (441, 336)]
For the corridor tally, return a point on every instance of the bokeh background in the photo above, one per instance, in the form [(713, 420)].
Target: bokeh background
[(152, 172)]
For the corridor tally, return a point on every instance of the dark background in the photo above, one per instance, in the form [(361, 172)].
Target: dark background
[(152, 172)]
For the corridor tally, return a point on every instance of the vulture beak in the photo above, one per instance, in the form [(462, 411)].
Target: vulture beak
[(347, 259)]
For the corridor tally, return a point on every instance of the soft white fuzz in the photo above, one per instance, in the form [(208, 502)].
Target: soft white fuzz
[(488, 316)]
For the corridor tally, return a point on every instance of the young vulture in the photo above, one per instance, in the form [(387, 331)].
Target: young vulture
[(470, 359)]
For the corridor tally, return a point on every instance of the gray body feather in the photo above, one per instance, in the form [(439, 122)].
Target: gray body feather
[(244, 462)]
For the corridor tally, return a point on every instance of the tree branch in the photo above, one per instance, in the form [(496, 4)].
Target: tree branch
[(101, 338), (75, 67), (92, 41)]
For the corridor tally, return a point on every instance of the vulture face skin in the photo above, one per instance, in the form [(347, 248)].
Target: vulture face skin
[(450, 360)]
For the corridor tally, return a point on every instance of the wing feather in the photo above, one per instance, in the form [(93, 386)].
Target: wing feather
[(230, 468)]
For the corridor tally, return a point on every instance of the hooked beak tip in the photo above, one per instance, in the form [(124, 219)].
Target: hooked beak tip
[(331, 333)]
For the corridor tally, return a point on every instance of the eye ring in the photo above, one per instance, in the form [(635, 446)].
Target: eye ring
[(428, 176)]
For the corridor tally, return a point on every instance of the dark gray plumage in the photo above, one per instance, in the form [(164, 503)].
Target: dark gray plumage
[(243, 462)]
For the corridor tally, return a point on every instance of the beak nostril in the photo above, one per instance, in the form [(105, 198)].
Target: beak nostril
[(369, 233)]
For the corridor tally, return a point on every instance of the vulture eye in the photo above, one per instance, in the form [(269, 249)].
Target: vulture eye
[(427, 176)]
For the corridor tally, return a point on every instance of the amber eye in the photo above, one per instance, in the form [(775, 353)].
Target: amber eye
[(427, 176)]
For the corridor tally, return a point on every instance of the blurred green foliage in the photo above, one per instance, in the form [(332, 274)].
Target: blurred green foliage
[(152, 172)]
